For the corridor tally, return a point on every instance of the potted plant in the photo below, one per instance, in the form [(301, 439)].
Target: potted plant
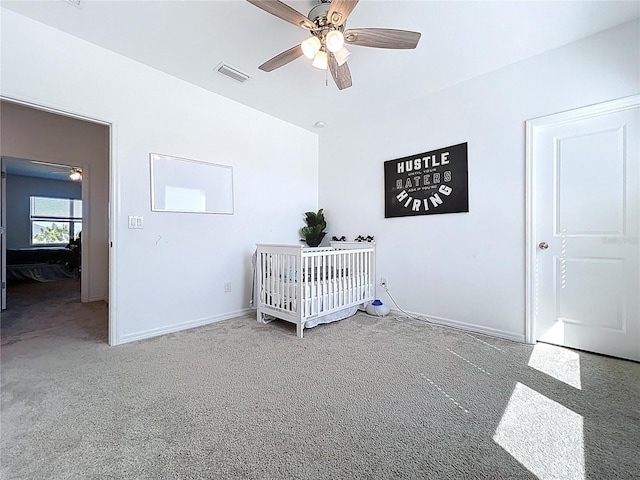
[(314, 232)]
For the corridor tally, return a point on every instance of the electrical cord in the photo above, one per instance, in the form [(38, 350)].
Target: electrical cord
[(415, 317), (427, 320), (386, 289)]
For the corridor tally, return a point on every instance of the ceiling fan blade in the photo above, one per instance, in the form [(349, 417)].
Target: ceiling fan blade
[(282, 59), (48, 164), (340, 10), (340, 73), (283, 11), (382, 38)]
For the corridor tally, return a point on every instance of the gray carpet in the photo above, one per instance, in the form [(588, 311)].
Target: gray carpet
[(362, 398)]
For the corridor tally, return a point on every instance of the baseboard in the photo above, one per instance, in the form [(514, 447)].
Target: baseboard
[(132, 337), (470, 327), (98, 298), (493, 332)]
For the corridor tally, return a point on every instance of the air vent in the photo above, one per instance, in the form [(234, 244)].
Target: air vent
[(232, 72)]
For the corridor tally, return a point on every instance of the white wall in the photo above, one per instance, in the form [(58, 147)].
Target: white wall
[(170, 275), (19, 191), (468, 269)]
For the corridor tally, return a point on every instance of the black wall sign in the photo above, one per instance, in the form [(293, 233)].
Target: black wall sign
[(427, 183)]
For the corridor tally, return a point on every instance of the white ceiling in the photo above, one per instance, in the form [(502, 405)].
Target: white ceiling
[(29, 168), (460, 40)]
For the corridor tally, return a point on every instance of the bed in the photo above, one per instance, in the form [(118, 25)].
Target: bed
[(308, 286), (42, 264)]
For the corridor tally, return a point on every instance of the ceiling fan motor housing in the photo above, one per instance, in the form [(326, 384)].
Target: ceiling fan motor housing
[(319, 16)]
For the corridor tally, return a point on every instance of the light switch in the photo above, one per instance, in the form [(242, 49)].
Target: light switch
[(135, 222)]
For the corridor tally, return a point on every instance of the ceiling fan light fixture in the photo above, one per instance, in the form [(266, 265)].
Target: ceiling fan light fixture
[(341, 56), (334, 40), (75, 174), (310, 47), (320, 61)]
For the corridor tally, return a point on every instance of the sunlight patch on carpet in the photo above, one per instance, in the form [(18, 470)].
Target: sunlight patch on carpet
[(558, 362), (544, 436)]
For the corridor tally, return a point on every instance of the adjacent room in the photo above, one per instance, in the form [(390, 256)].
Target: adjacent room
[(320, 239), (44, 225)]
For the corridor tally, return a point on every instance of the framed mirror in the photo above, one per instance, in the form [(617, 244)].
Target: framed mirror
[(190, 186)]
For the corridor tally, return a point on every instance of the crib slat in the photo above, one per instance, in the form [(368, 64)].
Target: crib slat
[(332, 282), (312, 286), (358, 279), (367, 259), (358, 291), (343, 282), (281, 280), (271, 280), (325, 284), (266, 272), (307, 286), (340, 279), (287, 282), (276, 279), (350, 277), (354, 288)]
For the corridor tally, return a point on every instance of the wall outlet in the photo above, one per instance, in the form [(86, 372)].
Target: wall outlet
[(227, 287), (383, 281)]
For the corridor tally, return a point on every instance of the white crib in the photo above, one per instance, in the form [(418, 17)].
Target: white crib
[(314, 285)]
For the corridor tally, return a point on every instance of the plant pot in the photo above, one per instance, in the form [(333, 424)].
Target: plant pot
[(315, 241)]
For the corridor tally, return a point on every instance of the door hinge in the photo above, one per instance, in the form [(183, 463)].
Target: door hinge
[(4, 174), (3, 285)]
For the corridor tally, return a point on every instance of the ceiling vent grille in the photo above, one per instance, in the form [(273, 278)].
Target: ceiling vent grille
[(232, 72)]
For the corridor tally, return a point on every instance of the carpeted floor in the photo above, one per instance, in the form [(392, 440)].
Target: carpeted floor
[(362, 398)]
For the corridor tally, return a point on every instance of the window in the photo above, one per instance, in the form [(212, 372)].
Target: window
[(55, 221)]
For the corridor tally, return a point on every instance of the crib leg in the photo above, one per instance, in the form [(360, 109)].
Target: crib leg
[(299, 329)]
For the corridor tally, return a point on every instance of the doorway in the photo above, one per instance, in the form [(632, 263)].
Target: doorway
[(57, 139), (43, 212), (583, 218)]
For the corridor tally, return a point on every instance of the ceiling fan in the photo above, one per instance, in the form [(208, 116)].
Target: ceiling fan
[(326, 45), (54, 169)]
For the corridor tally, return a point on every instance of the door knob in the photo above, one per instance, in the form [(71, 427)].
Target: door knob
[(543, 245)]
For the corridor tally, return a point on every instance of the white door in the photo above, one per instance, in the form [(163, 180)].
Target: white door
[(584, 211)]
